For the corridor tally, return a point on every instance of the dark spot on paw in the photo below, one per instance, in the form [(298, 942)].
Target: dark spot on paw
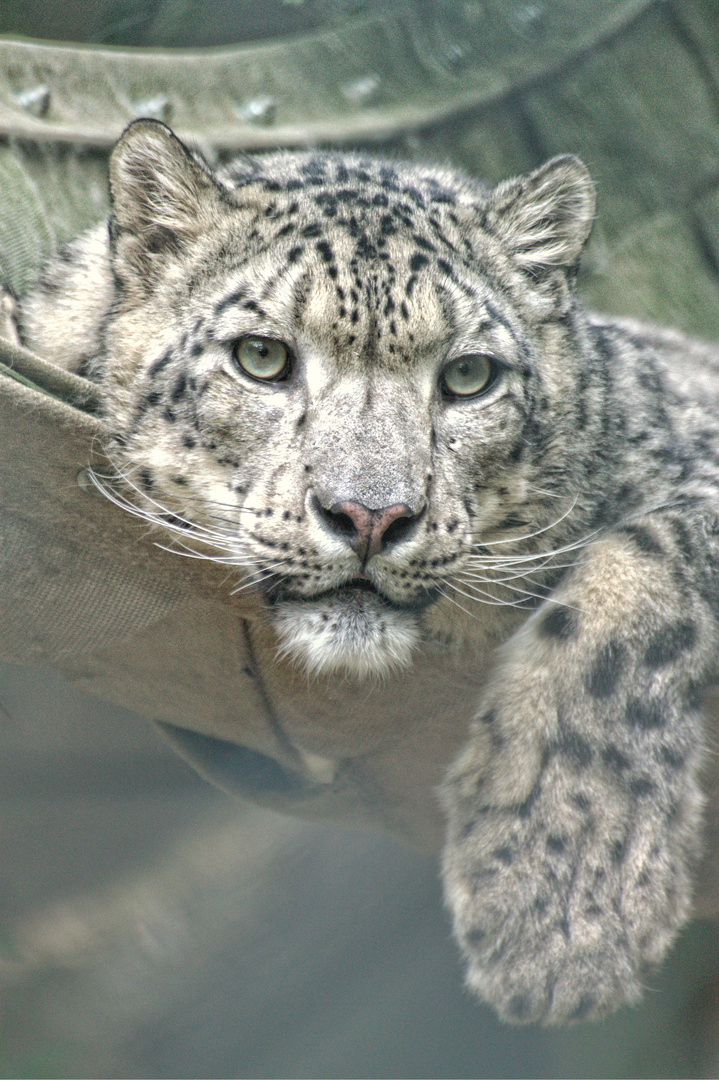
[(642, 786), (644, 714), (615, 759), (586, 1005), (694, 696), (555, 844), (671, 757), (559, 623), (467, 829), (498, 740), (643, 539), (617, 851), (475, 937), (607, 668), (520, 1007), (577, 749), (482, 874), (667, 645), (504, 855)]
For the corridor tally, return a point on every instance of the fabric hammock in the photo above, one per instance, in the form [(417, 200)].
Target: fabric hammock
[(84, 588)]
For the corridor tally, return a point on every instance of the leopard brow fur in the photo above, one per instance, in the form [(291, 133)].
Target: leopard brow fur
[(561, 516)]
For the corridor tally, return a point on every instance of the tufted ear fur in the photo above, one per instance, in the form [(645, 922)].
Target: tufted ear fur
[(545, 218), (163, 197)]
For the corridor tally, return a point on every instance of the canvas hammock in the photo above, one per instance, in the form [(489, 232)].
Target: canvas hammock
[(83, 587)]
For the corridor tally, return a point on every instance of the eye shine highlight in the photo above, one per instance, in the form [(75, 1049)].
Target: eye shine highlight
[(264, 359), (468, 376)]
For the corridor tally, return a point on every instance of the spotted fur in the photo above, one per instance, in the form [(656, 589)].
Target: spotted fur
[(565, 516)]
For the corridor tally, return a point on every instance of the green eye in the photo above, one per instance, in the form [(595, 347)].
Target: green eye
[(468, 375), (263, 358)]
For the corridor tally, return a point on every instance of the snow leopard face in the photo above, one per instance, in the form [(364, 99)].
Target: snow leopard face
[(346, 377)]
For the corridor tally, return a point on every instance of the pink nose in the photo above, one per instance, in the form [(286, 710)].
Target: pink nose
[(369, 531)]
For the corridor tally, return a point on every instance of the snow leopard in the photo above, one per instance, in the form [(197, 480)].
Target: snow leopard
[(370, 388)]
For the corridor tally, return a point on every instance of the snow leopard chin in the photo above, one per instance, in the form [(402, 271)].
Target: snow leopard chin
[(359, 636)]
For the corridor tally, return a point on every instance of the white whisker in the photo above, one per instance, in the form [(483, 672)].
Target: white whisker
[(531, 557), (484, 598), (456, 603), (513, 588), (469, 575), (530, 536), (183, 528), (255, 579), (548, 494)]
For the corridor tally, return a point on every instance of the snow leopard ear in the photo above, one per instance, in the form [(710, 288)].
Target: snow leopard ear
[(162, 198), (545, 218)]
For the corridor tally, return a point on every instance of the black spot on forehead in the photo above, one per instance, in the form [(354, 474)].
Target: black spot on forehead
[(229, 301), (423, 243), (157, 366)]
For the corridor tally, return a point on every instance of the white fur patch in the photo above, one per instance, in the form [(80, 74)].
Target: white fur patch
[(351, 634)]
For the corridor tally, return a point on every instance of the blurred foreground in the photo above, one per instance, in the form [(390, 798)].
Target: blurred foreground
[(153, 928)]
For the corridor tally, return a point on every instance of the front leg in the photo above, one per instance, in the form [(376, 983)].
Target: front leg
[(574, 810)]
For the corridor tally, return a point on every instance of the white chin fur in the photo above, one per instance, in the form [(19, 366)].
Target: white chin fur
[(357, 635)]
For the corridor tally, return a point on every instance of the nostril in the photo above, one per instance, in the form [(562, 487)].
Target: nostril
[(399, 529), (336, 520), (342, 523)]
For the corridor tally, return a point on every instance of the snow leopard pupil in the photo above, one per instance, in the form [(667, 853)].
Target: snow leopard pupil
[(262, 358), (468, 375)]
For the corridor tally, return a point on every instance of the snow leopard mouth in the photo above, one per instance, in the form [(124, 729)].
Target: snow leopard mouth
[(280, 590)]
